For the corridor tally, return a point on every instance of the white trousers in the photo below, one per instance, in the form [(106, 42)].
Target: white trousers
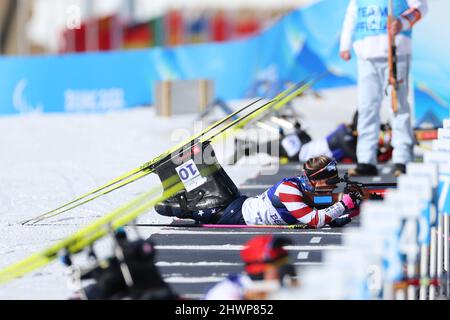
[(373, 76)]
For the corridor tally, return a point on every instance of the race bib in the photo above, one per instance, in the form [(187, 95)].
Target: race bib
[(291, 144), (190, 175)]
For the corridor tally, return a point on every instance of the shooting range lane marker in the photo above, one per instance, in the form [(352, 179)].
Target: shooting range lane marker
[(302, 255), (315, 240), (221, 238), (192, 279), (376, 179)]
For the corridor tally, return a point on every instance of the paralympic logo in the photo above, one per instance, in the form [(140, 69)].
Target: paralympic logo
[(20, 101)]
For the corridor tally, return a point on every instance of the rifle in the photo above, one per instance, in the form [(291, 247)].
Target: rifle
[(372, 191), (369, 191), (392, 60)]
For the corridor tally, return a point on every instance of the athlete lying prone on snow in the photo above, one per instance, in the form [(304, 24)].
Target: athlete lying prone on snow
[(299, 200)]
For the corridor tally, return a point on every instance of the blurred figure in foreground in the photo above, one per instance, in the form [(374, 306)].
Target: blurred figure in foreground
[(130, 274)]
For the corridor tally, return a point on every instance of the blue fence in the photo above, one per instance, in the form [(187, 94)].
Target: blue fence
[(299, 44)]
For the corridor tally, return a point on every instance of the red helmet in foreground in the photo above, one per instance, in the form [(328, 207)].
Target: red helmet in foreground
[(261, 251)]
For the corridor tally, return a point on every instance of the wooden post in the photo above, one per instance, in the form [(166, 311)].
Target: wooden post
[(166, 99), (203, 86)]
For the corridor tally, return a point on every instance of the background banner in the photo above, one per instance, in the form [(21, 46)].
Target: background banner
[(302, 42)]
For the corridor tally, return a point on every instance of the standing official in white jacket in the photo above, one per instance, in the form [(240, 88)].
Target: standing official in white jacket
[(366, 28)]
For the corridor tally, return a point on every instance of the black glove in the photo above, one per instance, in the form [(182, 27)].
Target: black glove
[(356, 197), (340, 222)]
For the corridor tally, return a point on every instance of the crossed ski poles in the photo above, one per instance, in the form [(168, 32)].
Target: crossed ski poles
[(149, 167), (132, 175)]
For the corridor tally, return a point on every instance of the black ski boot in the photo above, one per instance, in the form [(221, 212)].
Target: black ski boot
[(302, 134), (208, 188)]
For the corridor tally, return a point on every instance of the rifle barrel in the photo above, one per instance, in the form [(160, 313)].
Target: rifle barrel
[(380, 184)]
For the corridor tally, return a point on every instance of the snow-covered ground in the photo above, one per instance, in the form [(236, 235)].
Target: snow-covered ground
[(47, 160)]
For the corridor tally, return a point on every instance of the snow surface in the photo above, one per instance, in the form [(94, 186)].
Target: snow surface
[(47, 160)]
